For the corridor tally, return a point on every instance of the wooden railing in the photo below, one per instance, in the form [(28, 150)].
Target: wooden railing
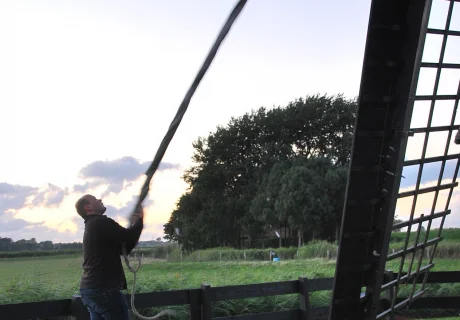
[(200, 300)]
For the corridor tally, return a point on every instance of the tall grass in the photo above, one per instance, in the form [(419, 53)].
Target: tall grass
[(158, 252), (230, 254)]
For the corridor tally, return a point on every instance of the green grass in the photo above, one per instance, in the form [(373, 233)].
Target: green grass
[(39, 279), (27, 279), (60, 275), (449, 234), (47, 278)]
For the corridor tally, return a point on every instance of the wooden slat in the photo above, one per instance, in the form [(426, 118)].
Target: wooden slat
[(412, 249), (160, 299), (279, 315), (195, 304), (254, 290), (320, 284), (451, 302), (206, 302), (320, 313), (439, 277), (433, 129), (421, 219), (437, 97), (428, 189), (304, 299), (440, 31), (23, 311), (440, 65), (432, 159)]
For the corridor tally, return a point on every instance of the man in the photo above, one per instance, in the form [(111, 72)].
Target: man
[(103, 276)]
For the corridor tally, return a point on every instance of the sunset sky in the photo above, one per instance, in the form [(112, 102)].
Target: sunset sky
[(88, 89)]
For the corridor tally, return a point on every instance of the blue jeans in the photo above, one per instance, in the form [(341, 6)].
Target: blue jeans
[(105, 303)]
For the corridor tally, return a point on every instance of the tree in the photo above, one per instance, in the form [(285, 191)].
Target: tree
[(311, 196), (262, 206), (46, 245), (232, 162)]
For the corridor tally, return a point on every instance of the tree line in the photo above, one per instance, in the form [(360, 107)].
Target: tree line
[(268, 173), (7, 244)]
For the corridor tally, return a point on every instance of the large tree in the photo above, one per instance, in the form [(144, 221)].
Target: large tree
[(232, 162)]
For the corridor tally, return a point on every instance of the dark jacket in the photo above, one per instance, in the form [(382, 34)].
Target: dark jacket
[(102, 241)]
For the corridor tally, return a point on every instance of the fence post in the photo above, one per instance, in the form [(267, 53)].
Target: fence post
[(206, 302), (389, 294), (195, 304), (79, 311), (305, 313)]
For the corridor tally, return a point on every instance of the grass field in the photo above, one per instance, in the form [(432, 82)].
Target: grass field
[(28, 279), (43, 278), (47, 278)]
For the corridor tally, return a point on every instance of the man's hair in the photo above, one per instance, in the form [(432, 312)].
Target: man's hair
[(80, 206)]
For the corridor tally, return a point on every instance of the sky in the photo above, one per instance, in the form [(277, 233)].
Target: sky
[(88, 89)]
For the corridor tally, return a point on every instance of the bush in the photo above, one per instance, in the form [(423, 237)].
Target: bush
[(163, 251), (318, 249), (315, 249)]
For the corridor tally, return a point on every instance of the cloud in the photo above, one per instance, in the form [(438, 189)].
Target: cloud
[(116, 174), (50, 197), (126, 210), (48, 213), (430, 174), (424, 204), (41, 233), (10, 224), (15, 197)]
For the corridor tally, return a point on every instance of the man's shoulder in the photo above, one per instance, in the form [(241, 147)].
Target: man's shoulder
[(101, 220), (105, 219)]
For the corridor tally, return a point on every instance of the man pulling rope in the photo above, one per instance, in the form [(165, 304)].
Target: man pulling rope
[(103, 276)]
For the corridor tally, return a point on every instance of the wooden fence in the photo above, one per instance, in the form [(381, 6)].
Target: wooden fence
[(200, 300)]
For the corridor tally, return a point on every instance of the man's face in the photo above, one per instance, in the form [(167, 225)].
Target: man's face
[(95, 206)]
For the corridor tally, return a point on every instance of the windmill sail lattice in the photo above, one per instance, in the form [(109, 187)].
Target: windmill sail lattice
[(404, 158)]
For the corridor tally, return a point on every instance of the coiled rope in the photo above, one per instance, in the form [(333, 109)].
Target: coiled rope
[(168, 137)]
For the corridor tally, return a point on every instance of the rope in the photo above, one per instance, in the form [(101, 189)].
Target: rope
[(168, 137)]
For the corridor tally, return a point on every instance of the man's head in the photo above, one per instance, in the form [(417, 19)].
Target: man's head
[(89, 205)]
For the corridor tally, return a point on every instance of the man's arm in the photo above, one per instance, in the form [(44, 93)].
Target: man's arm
[(117, 234), (129, 247), (137, 216)]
